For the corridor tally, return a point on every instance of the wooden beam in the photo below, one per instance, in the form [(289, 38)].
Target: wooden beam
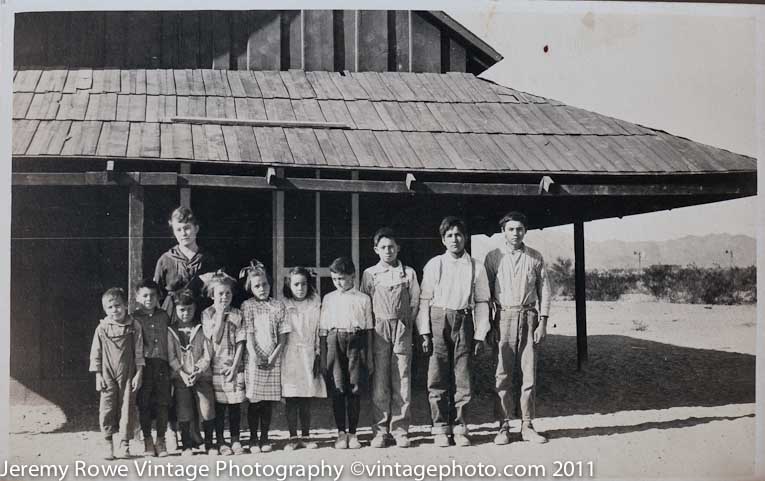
[(386, 187), (579, 295), (185, 192), (277, 201), (355, 237), (135, 239), (259, 123)]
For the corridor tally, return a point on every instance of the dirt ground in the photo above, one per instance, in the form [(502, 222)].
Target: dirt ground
[(667, 392)]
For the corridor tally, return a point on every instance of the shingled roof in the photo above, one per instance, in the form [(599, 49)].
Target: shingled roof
[(452, 122)]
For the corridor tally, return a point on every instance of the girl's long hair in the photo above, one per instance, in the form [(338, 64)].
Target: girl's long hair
[(303, 271)]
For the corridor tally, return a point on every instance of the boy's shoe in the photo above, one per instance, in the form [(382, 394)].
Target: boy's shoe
[(293, 444), (108, 449), (124, 449), (310, 444), (148, 446), (187, 452), (161, 448), (462, 440), (342, 440), (353, 441), (402, 441), (212, 452), (266, 447), (529, 434), (441, 440), (254, 448), (502, 437), (225, 450), (378, 441), (236, 448)]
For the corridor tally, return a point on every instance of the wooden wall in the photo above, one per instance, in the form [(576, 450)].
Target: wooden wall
[(255, 40)]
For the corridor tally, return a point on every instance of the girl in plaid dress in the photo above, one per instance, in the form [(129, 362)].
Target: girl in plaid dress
[(222, 324), (266, 334)]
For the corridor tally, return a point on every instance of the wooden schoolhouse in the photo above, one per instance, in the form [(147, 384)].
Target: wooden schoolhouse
[(293, 135)]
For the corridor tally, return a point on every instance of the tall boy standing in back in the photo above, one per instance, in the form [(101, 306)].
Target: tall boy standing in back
[(518, 282), (395, 295), (453, 321)]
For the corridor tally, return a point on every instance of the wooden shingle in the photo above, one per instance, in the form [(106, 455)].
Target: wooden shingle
[(82, 139)]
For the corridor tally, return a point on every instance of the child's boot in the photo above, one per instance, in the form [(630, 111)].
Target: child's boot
[(124, 450), (308, 444), (292, 444), (353, 441), (108, 449), (161, 448), (148, 446)]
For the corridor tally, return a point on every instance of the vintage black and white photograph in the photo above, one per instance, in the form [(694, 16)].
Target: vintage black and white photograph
[(377, 240)]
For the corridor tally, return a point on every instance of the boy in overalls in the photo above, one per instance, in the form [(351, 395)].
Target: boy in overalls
[(395, 295), (453, 321)]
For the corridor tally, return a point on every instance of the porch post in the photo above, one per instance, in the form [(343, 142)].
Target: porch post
[(185, 194), (135, 239), (277, 202), (355, 230), (579, 290)]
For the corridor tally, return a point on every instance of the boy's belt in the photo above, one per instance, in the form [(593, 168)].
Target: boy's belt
[(521, 307), (347, 331), (466, 311)]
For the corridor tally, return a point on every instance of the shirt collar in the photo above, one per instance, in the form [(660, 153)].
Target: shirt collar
[(383, 267), (511, 250), (464, 258), (353, 290)]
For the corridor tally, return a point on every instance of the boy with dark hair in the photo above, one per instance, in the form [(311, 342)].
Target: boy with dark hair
[(345, 330), (518, 282), (154, 396), (395, 295), (116, 356), (453, 321)]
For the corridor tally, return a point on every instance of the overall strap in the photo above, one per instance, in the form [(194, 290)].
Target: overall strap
[(472, 281)]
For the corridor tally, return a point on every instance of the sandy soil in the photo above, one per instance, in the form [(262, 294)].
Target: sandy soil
[(668, 392)]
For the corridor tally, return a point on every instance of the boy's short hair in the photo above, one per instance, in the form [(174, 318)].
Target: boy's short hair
[(255, 268), (220, 278), (185, 297), (516, 216), (147, 284), (183, 215), (384, 232), (299, 271), (342, 265), (449, 223), (115, 293)]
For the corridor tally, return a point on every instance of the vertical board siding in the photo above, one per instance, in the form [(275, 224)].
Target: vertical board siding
[(324, 40)]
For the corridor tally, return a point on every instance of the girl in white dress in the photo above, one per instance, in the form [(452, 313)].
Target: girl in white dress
[(301, 379)]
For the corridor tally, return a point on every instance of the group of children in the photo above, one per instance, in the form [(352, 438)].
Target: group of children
[(180, 365)]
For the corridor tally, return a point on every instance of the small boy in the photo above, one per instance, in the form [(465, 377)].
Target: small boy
[(395, 295), (154, 396), (345, 330), (189, 354), (116, 356)]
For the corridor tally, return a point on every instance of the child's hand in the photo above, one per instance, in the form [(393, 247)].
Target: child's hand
[(230, 375), (100, 382), (135, 384)]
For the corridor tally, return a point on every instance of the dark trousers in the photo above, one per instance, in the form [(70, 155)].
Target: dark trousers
[(154, 396), (234, 420), (259, 416), (298, 406), (449, 370), (186, 438), (350, 403)]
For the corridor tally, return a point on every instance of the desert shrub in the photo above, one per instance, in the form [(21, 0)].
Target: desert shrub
[(562, 276), (609, 285)]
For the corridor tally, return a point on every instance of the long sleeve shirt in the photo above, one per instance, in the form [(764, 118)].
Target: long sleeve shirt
[(117, 348), (518, 278), (446, 284)]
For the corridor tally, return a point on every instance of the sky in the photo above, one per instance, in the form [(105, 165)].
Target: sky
[(688, 70)]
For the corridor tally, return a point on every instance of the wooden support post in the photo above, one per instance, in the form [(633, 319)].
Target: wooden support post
[(185, 192), (135, 239), (579, 289), (355, 229), (278, 237), (317, 242)]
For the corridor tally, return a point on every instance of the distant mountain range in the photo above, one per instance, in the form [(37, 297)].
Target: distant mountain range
[(704, 251)]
